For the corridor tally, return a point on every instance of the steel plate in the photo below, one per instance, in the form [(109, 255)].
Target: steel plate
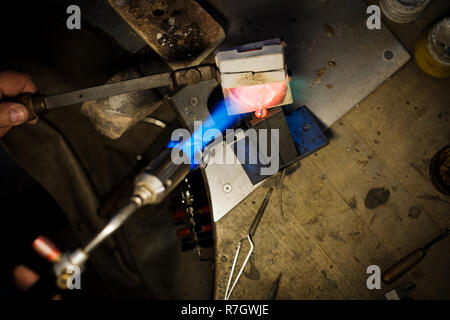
[(335, 59)]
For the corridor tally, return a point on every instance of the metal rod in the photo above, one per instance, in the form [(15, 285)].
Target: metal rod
[(113, 225), (433, 242), (241, 270), (108, 90), (272, 294), (251, 232), (281, 193), (259, 215), (236, 255)]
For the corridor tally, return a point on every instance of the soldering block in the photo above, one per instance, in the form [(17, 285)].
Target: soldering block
[(253, 64)]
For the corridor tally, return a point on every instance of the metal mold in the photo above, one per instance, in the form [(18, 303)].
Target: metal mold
[(180, 31)]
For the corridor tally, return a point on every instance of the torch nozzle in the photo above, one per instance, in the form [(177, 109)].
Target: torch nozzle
[(113, 224), (151, 186)]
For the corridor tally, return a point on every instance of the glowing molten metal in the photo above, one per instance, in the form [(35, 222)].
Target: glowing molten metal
[(258, 98)]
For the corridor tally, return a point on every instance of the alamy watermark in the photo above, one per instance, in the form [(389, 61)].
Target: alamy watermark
[(374, 20), (374, 280), (72, 278), (74, 20), (246, 147)]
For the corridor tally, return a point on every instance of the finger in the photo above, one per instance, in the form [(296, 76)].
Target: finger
[(14, 83), (32, 122), (24, 277), (3, 131), (12, 114)]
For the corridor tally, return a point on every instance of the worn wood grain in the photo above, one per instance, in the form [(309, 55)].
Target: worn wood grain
[(330, 235)]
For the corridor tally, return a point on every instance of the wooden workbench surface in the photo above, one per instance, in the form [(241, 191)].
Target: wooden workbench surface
[(329, 235)]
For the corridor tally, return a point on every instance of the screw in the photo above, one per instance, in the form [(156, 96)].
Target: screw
[(306, 127), (194, 101), (227, 188), (192, 76), (388, 55)]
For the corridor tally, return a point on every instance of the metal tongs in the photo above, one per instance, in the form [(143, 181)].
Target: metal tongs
[(249, 236)]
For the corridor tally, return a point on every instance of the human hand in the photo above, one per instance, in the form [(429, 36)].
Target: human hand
[(12, 113), (25, 279)]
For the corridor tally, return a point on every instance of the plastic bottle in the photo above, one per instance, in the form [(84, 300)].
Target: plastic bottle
[(432, 50)]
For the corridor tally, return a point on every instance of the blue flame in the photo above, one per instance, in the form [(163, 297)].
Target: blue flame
[(219, 120)]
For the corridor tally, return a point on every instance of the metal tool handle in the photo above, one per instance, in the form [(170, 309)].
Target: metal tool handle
[(403, 266), (35, 104), (262, 208)]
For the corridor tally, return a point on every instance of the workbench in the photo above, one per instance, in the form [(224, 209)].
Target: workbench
[(329, 235)]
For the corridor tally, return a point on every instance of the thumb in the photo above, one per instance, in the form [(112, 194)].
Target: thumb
[(12, 114)]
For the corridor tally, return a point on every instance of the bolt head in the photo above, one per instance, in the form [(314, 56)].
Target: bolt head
[(192, 76), (193, 101), (227, 188), (388, 55)]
